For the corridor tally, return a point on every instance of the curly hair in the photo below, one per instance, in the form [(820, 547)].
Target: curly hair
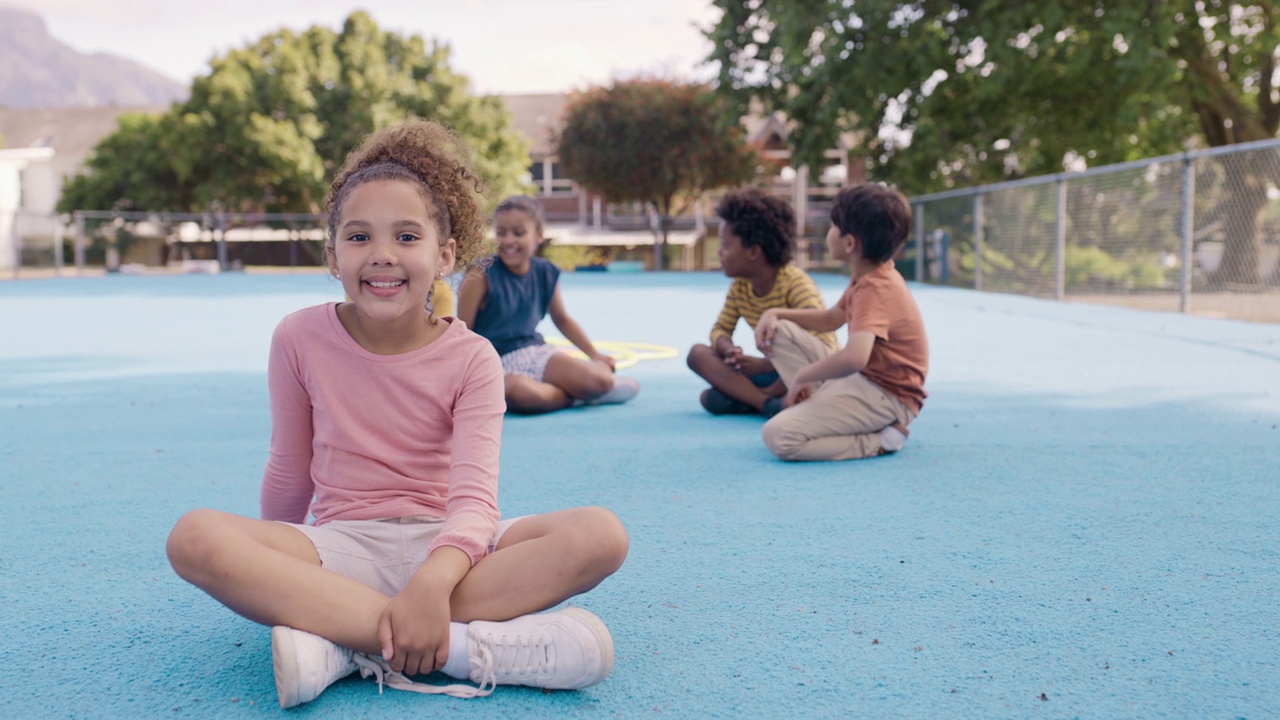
[(760, 220), (875, 213), (433, 157)]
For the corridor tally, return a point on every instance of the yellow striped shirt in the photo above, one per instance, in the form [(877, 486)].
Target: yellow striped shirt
[(792, 289)]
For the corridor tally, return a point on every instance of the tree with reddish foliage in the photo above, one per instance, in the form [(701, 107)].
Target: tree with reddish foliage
[(659, 142)]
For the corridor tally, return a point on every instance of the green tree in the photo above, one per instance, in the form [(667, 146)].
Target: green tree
[(129, 169), (653, 141), (970, 91), (271, 122)]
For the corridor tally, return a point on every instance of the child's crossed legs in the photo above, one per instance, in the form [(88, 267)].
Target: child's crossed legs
[(843, 417), (270, 572)]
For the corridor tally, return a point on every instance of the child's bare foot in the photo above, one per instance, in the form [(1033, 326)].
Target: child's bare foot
[(892, 438)]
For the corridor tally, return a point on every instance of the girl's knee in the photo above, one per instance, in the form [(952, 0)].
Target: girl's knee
[(601, 535), (524, 395), (192, 545), (186, 539), (597, 380), (614, 541)]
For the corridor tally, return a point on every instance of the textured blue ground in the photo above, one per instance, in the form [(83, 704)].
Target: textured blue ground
[(1083, 523)]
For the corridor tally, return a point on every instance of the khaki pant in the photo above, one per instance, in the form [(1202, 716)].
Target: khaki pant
[(840, 419)]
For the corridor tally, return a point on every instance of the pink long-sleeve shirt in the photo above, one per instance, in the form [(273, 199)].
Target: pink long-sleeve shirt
[(361, 436)]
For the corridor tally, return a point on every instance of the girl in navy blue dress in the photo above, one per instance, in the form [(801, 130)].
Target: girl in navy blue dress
[(506, 302)]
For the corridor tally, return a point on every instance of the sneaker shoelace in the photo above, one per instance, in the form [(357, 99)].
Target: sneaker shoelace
[(378, 668), (522, 655)]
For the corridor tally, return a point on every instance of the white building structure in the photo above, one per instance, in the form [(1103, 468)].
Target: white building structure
[(29, 188)]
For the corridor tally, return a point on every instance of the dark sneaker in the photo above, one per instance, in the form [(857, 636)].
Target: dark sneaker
[(717, 403), (772, 407)]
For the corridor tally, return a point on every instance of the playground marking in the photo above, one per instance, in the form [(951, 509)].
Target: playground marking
[(624, 354)]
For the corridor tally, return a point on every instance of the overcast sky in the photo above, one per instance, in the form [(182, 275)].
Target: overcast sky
[(504, 46)]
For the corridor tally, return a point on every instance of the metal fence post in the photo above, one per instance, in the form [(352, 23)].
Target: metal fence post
[(222, 241), (57, 245), (1188, 231), (17, 244), (919, 242), (977, 241), (79, 252), (1060, 242)]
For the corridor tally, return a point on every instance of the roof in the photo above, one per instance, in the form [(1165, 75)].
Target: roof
[(72, 132), (539, 118)]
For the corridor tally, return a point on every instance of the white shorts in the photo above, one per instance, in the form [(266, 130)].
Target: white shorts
[(381, 554), (530, 361)]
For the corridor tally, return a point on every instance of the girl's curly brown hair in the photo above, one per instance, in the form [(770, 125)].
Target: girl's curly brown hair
[(433, 157)]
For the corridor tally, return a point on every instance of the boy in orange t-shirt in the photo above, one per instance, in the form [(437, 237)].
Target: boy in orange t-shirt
[(855, 402)]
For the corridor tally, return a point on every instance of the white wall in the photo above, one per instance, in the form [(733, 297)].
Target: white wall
[(28, 188)]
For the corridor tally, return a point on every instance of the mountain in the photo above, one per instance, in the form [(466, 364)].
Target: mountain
[(39, 71)]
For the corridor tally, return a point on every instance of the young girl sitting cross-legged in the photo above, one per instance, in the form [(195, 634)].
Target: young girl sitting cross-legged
[(505, 303), (386, 422)]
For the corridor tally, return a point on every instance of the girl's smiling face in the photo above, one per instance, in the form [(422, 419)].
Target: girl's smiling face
[(516, 235), (388, 251)]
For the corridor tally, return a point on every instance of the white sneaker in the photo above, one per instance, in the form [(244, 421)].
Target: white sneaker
[(624, 388), (306, 664), (892, 439), (567, 649)]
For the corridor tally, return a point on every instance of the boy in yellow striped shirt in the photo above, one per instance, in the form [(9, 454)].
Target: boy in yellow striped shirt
[(757, 238)]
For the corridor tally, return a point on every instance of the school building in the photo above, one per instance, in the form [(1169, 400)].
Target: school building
[(44, 146), (576, 216)]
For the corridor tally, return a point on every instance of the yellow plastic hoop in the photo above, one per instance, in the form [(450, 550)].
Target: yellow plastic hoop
[(624, 354)]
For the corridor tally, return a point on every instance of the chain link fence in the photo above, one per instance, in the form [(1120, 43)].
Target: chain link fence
[(46, 244), (1197, 232)]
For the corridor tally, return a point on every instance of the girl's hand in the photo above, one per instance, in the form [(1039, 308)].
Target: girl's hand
[(607, 360), (798, 393), (414, 630), (764, 332)]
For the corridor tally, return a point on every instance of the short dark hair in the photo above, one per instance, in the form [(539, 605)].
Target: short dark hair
[(875, 213), (525, 203), (760, 220)]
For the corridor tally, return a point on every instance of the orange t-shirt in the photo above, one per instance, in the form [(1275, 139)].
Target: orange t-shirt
[(880, 303)]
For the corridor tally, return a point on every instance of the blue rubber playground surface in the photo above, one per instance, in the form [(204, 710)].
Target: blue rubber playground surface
[(1082, 524)]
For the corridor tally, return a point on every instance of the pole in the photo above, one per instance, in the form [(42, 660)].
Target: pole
[(1060, 243), (1188, 231), (977, 242)]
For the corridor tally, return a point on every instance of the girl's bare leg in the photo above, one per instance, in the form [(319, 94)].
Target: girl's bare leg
[(580, 379), (270, 573), (565, 379), (528, 396), (541, 561)]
